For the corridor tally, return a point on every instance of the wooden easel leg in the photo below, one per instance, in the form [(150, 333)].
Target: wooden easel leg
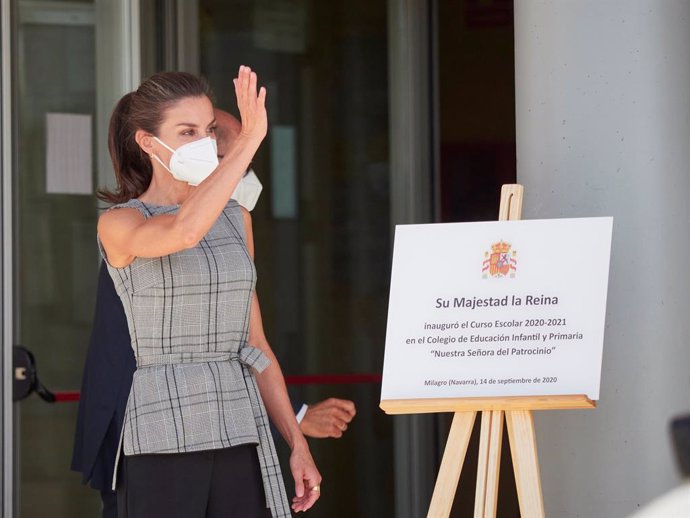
[(523, 448), (490, 441), (511, 202), (451, 465)]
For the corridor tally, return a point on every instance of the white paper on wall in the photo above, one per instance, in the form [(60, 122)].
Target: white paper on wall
[(69, 160)]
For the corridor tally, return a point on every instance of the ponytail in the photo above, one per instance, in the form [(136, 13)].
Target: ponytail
[(133, 170), (143, 109)]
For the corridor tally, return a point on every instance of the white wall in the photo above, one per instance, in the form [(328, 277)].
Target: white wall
[(603, 128)]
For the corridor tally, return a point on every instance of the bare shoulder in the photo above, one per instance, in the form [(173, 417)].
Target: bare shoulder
[(116, 220)]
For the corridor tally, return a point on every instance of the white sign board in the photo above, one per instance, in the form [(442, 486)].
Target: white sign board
[(509, 308)]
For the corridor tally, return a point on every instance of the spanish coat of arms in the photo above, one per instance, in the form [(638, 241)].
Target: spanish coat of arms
[(500, 262)]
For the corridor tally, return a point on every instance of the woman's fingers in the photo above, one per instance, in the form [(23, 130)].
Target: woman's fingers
[(307, 482), (246, 86), (300, 497), (312, 490), (251, 103), (244, 78), (247, 82), (241, 85), (305, 503), (311, 495), (299, 486)]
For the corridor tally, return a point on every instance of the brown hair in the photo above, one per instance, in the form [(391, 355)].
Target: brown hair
[(143, 109)]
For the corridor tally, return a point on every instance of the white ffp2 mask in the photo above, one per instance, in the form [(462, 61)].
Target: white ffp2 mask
[(191, 162), (248, 190)]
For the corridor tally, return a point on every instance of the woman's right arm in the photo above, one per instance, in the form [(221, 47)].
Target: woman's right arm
[(126, 234)]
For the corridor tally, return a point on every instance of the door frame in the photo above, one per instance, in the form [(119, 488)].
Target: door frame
[(118, 66), (6, 275)]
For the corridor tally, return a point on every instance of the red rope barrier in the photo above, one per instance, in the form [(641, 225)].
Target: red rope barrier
[(314, 379), (66, 397)]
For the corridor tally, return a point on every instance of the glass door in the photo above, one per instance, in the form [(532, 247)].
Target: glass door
[(70, 62), (55, 263), (322, 226)]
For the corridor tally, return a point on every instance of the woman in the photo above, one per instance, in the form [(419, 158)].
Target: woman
[(178, 253)]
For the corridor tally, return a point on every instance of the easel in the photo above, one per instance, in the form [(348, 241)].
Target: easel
[(517, 412)]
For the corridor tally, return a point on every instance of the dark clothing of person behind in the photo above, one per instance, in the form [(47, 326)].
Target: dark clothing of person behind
[(222, 483), (105, 387)]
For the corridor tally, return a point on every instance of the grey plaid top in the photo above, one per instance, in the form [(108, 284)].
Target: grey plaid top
[(188, 317)]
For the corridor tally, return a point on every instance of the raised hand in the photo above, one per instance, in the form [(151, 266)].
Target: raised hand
[(252, 106)]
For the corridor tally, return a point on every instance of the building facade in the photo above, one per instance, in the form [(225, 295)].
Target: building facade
[(380, 113)]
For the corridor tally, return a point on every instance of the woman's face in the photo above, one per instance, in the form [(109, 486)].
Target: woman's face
[(187, 120)]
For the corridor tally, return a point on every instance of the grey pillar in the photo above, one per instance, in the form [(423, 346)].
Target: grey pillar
[(411, 169), (603, 128), (118, 70)]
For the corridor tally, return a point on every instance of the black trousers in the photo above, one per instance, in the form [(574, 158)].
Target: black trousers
[(223, 483)]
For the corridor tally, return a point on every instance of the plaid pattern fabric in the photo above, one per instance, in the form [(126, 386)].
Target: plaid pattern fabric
[(188, 316)]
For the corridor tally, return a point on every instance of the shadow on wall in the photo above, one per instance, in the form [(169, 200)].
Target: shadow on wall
[(675, 503), (680, 433)]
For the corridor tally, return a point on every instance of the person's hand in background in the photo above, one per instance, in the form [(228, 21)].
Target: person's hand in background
[(328, 418)]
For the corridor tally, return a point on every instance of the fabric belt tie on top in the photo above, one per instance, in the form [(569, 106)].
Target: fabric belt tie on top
[(247, 355)]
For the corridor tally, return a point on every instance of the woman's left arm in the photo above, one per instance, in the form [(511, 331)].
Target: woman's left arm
[(274, 394)]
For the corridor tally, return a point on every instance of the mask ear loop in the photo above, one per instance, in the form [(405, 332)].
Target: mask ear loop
[(156, 156), (163, 144), (161, 163)]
